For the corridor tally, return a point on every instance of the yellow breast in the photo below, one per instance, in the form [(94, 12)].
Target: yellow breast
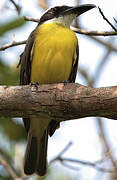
[(52, 54)]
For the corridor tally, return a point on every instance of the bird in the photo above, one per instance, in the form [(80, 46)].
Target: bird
[(50, 56)]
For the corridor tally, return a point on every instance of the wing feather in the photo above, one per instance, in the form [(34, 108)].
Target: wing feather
[(73, 73), (25, 71), (25, 61)]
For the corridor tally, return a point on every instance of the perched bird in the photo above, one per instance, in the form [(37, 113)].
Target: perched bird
[(50, 56)]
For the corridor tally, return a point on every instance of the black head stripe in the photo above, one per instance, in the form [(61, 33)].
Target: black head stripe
[(53, 13)]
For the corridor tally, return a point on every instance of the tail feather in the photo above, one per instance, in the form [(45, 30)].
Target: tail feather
[(30, 156), (36, 155), (41, 166)]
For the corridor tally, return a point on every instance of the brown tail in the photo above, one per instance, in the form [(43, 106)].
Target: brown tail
[(36, 155), (41, 166)]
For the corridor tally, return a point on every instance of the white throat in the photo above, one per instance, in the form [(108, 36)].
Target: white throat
[(65, 20)]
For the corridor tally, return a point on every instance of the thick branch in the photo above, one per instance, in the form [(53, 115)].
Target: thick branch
[(58, 101)]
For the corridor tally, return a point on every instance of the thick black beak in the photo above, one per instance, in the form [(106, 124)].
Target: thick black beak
[(78, 10)]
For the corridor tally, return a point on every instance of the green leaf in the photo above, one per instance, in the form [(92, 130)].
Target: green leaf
[(8, 75), (13, 24), (12, 130)]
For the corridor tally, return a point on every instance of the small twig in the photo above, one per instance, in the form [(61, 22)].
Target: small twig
[(12, 44), (18, 8), (65, 148), (27, 18), (62, 160), (105, 44), (62, 152), (115, 20), (87, 163), (106, 19), (93, 33), (69, 166), (106, 141), (106, 156), (9, 169)]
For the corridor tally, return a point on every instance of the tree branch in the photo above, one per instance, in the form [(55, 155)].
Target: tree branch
[(86, 163), (93, 33), (80, 31), (105, 44), (106, 19), (64, 161), (59, 101), (18, 8), (14, 43)]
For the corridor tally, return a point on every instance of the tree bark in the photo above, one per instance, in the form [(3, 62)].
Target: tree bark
[(58, 101)]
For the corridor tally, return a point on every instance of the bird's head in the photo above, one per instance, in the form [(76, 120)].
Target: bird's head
[(64, 14)]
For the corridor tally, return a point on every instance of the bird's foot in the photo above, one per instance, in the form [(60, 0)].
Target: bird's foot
[(65, 82), (34, 84)]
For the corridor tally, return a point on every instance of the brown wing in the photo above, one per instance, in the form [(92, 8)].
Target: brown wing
[(25, 71), (25, 61), (73, 74)]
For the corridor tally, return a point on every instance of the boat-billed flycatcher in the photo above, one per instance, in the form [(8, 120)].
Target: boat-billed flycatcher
[(50, 56)]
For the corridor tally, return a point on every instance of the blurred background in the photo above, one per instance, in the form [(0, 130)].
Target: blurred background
[(90, 141)]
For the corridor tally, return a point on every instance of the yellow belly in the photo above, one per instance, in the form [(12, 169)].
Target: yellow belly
[(52, 54)]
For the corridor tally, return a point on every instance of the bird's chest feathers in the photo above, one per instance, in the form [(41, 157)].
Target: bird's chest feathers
[(52, 54)]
